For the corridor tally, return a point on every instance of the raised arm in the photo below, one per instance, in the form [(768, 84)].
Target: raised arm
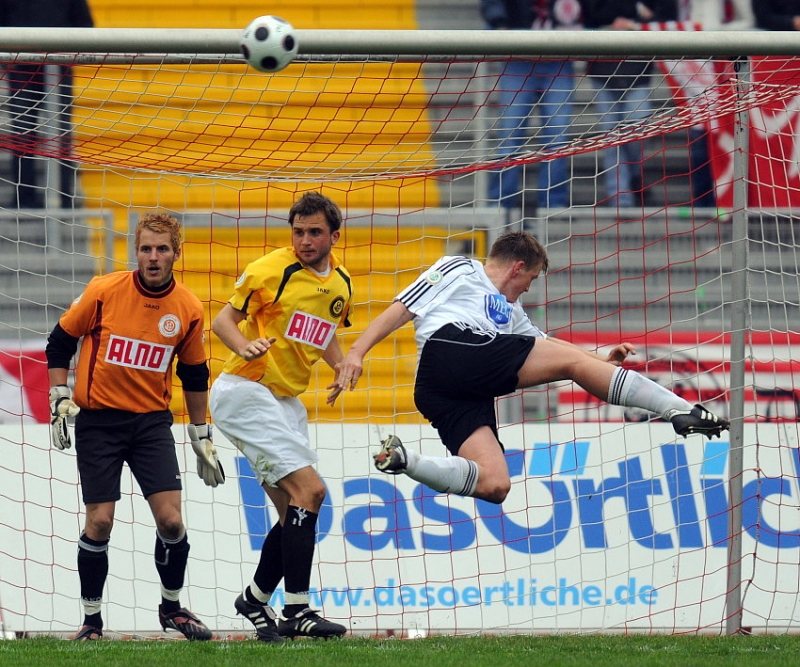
[(351, 367)]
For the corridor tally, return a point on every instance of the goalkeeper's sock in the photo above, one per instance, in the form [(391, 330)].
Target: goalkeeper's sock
[(454, 474), (299, 533), (269, 570), (633, 390), (93, 620), (92, 572), (171, 557)]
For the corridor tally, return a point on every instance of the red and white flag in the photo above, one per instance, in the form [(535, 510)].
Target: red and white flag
[(706, 87), (709, 88)]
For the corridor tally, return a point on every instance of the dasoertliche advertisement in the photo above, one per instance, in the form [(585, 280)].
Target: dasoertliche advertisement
[(607, 526)]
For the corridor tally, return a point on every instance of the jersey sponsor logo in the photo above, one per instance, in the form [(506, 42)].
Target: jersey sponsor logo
[(337, 306), (169, 326), (240, 280), (309, 329), (498, 310), (140, 354)]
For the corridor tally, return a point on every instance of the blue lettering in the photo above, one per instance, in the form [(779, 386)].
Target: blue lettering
[(716, 511), (384, 595), (448, 596), (538, 539), (257, 514), (634, 490), (461, 526), (498, 310), (381, 518), (681, 495), (471, 595), (753, 495), (564, 589), (712, 483), (592, 595), (360, 522)]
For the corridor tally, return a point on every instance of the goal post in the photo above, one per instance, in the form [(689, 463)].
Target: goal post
[(612, 524)]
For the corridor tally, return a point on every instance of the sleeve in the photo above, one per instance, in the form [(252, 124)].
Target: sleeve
[(249, 292), (192, 349), (193, 377), (77, 319), (420, 296), (521, 324), (345, 322), (60, 348)]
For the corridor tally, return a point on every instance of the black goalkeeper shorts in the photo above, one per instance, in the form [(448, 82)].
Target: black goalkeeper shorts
[(107, 439), (460, 374)]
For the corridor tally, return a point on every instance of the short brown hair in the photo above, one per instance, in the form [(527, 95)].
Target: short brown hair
[(160, 223), (315, 202), (520, 247)]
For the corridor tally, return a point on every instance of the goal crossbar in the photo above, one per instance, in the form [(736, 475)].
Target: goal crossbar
[(411, 42)]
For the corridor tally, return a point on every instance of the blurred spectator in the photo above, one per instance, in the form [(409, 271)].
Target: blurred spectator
[(545, 86), (623, 94), (777, 14), (28, 88), (711, 15)]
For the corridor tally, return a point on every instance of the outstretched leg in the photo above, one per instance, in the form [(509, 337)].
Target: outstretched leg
[(551, 361)]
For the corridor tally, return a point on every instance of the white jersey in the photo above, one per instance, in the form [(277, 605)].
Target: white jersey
[(456, 290)]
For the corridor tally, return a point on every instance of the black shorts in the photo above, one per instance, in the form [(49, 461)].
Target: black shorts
[(460, 374), (106, 439)]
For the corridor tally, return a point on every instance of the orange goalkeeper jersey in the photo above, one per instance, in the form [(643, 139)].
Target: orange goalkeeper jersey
[(130, 337), (300, 308)]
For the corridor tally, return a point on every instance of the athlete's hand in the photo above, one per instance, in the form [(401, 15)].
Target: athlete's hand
[(61, 407), (256, 348), (209, 468), (334, 391), (619, 353), (348, 371)]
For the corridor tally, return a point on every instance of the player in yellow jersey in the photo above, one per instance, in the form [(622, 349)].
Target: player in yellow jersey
[(133, 325), (281, 320)]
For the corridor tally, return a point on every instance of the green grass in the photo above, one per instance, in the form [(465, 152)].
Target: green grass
[(506, 651)]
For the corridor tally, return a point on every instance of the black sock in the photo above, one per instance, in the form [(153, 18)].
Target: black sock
[(92, 572), (94, 620), (299, 534), (269, 571), (171, 558)]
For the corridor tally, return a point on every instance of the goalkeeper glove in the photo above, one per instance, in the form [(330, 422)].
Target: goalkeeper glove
[(61, 407), (208, 466)]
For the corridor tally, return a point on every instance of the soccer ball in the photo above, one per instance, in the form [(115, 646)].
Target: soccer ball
[(268, 43)]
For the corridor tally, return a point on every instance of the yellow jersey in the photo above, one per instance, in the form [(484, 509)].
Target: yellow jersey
[(302, 310)]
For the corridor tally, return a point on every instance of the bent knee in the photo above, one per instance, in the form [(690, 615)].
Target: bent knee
[(495, 493)]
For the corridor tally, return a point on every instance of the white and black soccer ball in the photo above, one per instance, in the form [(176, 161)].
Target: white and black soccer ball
[(268, 43)]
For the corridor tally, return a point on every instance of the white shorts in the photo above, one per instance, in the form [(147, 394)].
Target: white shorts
[(271, 431)]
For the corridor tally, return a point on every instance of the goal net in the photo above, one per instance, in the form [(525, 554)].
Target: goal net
[(669, 221)]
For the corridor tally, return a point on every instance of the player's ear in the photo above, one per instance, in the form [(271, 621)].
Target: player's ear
[(334, 237)]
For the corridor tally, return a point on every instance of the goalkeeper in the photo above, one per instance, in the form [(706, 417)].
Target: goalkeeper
[(132, 325)]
